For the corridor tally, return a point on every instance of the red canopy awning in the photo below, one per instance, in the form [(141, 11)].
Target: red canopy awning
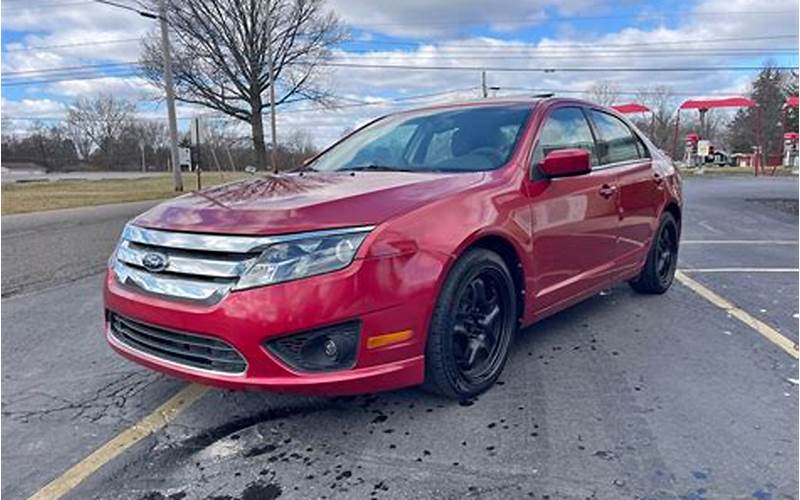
[(792, 101), (725, 102), (630, 108)]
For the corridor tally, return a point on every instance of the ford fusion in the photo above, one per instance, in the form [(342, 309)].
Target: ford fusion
[(410, 252)]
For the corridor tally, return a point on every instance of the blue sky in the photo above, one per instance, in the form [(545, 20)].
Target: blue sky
[(593, 34)]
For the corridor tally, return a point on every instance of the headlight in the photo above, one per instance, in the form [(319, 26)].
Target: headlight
[(302, 257)]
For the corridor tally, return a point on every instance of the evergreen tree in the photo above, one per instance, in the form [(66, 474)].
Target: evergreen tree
[(769, 90)]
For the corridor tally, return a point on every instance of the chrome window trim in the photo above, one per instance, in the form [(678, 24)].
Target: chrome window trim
[(223, 243), (623, 163)]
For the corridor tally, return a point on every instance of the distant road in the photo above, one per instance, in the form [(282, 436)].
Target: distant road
[(10, 176), (44, 249)]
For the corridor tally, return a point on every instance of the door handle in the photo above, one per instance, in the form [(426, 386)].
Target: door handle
[(607, 191)]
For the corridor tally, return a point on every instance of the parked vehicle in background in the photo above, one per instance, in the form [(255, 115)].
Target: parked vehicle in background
[(410, 252)]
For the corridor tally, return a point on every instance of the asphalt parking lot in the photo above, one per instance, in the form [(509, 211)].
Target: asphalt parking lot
[(622, 396)]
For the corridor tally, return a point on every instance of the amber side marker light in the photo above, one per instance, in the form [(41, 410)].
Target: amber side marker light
[(389, 339)]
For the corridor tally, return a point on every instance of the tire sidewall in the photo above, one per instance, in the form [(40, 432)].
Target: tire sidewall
[(464, 270)]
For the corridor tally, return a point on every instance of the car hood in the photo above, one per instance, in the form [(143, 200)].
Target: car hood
[(288, 203)]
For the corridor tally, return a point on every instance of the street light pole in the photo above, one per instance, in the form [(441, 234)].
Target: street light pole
[(270, 67), (168, 83)]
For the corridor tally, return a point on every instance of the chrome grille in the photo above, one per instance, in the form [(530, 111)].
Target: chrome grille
[(178, 347), (198, 267)]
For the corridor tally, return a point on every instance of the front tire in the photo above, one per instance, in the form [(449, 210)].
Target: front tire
[(662, 259), (473, 322)]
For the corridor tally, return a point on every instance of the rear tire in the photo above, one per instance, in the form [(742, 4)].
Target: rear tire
[(659, 270), (472, 325)]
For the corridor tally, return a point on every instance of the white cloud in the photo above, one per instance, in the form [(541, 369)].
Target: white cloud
[(26, 108), (127, 87), (426, 18)]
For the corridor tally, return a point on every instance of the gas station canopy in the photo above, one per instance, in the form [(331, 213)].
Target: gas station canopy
[(725, 102), (630, 108)]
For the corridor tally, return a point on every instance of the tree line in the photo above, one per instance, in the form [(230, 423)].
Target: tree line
[(769, 89), (103, 132)]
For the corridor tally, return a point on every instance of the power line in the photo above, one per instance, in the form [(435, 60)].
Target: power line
[(388, 101), (70, 68), (640, 16), (592, 45), (70, 45), (547, 69), (505, 44), (339, 61)]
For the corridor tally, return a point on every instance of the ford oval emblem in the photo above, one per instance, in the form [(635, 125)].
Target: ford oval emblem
[(155, 262)]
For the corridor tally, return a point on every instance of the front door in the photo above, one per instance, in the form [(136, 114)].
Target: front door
[(575, 219)]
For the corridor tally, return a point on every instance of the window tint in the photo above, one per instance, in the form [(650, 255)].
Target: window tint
[(617, 141), (565, 128)]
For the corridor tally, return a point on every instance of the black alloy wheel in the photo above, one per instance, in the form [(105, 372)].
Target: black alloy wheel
[(472, 326), (662, 260)]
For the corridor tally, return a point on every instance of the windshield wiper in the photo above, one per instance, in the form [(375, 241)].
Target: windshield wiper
[(376, 168)]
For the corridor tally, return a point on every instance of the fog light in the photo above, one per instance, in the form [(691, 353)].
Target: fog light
[(324, 349), (330, 348)]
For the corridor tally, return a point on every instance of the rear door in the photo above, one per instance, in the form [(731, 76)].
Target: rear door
[(639, 187), (574, 218)]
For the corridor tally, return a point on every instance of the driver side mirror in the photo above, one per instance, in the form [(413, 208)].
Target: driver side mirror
[(566, 162)]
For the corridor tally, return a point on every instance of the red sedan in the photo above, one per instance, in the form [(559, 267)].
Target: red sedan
[(410, 252)]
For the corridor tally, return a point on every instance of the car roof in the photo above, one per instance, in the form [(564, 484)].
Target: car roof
[(531, 101)]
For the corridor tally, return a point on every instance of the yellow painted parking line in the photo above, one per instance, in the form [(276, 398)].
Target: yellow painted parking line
[(759, 326), (162, 415)]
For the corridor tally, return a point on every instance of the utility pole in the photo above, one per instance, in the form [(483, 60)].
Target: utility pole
[(270, 67), (483, 85), (173, 124), (144, 162)]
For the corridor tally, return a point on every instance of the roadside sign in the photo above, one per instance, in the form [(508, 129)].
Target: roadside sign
[(185, 157)]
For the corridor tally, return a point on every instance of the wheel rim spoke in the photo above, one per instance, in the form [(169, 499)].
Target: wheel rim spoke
[(479, 322)]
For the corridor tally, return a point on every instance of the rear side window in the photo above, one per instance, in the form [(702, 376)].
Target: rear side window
[(617, 141), (565, 128)]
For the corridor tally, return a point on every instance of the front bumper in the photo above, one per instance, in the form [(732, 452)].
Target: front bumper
[(387, 294)]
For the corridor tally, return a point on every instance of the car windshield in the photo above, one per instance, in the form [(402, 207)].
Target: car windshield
[(450, 140)]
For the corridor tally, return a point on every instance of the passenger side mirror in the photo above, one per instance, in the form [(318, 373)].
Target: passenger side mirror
[(566, 162)]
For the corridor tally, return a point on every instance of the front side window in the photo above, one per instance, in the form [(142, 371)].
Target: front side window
[(565, 128), (444, 140), (618, 143)]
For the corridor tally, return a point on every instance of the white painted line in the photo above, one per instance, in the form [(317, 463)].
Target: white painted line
[(740, 270), (706, 225), (740, 242), (759, 326)]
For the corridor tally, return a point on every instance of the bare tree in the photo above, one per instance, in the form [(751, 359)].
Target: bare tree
[(221, 61), (660, 125), (83, 144), (603, 93), (98, 122)]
